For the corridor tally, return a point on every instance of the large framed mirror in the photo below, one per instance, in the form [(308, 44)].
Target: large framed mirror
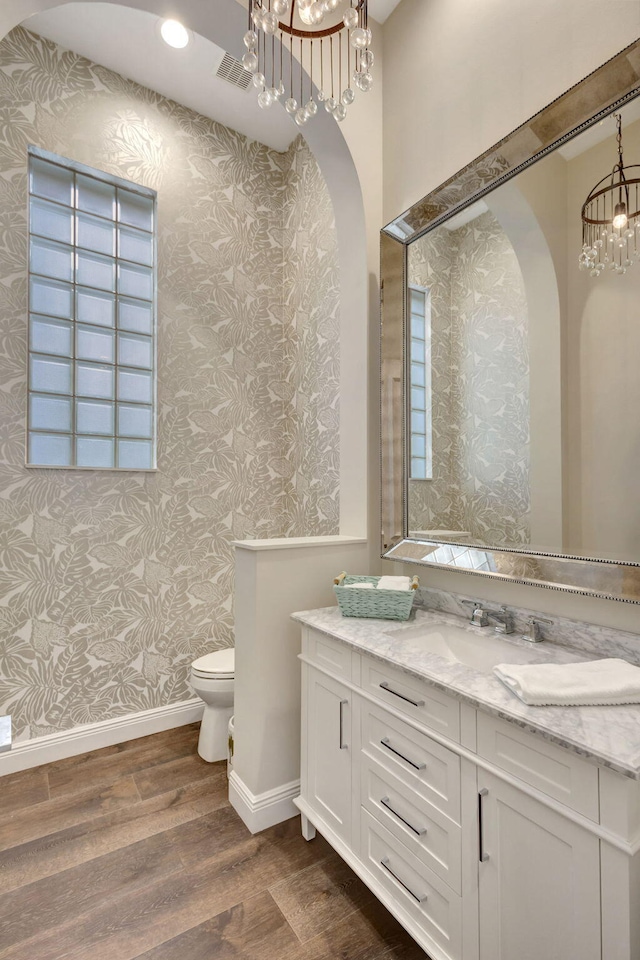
[(510, 354)]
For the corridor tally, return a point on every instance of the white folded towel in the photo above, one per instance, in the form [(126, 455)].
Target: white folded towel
[(596, 682), (394, 583), (359, 586)]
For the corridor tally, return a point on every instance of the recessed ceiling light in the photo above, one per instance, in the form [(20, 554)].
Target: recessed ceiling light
[(174, 33)]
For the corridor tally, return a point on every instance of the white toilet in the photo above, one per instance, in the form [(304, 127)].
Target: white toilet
[(212, 679)]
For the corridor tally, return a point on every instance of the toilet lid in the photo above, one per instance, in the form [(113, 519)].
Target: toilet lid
[(220, 663)]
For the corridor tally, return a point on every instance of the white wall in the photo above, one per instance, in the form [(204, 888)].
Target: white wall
[(276, 577), (459, 76), (603, 380)]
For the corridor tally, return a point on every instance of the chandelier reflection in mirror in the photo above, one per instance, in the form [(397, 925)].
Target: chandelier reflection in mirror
[(611, 219), (329, 38)]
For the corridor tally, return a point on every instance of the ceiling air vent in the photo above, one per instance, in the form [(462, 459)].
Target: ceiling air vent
[(233, 72)]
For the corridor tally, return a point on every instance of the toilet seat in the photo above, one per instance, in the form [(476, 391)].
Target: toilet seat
[(219, 665)]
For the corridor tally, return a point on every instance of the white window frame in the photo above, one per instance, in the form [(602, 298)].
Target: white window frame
[(419, 369), (119, 439)]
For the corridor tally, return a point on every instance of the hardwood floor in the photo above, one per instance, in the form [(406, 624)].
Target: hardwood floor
[(134, 853)]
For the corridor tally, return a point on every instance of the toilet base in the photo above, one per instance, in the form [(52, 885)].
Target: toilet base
[(212, 742)]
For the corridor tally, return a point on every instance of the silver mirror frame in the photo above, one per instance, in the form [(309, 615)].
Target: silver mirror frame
[(606, 89)]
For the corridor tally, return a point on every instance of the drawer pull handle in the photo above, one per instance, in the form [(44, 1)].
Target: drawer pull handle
[(482, 855), (414, 703), (416, 766), (343, 745), (419, 831), (385, 863)]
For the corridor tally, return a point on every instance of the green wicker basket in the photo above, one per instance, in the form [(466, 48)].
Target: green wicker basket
[(378, 604)]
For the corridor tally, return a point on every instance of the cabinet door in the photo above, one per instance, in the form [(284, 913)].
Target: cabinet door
[(329, 751), (539, 880)]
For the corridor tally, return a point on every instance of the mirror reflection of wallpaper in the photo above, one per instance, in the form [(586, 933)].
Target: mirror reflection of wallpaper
[(113, 582), (480, 383)]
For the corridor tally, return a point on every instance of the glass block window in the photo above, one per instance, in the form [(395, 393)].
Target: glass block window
[(420, 384), (92, 390), (466, 557)]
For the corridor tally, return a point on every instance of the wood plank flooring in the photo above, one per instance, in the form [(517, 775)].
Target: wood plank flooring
[(134, 853)]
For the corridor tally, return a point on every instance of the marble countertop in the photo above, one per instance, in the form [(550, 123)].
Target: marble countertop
[(607, 735)]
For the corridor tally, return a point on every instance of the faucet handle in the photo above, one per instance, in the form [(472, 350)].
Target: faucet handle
[(479, 615), (468, 603), (471, 603), (534, 635)]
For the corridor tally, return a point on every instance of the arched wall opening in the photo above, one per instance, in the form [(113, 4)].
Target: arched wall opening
[(494, 349), (518, 220), (224, 22), (115, 560)]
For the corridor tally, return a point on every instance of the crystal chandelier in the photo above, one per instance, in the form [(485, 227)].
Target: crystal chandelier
[(329, 38), (611, 219)]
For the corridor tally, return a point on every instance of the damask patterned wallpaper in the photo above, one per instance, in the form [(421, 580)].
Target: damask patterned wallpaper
[(111, 583), (435, 504), (480, 372), (311, 319)]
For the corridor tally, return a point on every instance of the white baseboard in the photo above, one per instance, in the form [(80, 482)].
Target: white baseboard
[(265, 809), (93, 736)]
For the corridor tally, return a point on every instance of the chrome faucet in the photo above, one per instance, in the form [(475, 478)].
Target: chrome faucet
[(533, 634), (503, 620)]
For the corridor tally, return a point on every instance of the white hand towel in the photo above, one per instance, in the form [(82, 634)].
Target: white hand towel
[(394, 583), (596, 682), (359, 586)]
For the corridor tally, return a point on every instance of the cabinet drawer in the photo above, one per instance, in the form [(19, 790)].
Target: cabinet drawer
[(434, 909), (328, 654), (556, 772), (427, 768), (427, 833), (413, 697)]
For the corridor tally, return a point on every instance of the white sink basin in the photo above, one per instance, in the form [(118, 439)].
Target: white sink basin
[(480, 651)]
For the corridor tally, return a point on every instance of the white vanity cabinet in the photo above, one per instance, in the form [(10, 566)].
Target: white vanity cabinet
[(487, 842)]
